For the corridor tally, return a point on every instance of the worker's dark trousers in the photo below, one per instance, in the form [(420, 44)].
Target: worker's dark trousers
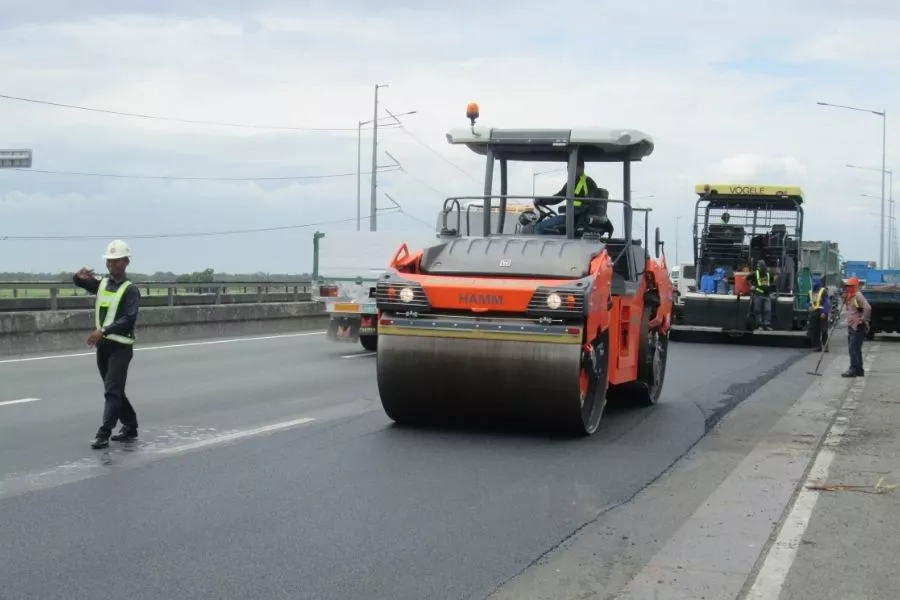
[(113, 360), (855, 339), (762, 308), (818, 329)]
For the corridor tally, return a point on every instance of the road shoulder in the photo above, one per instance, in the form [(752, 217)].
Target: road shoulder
[(676, 538), (842, 537)]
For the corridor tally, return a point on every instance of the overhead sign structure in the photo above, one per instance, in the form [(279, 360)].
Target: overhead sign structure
[(15, 159)]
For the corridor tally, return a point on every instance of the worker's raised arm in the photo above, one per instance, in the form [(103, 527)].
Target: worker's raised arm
[(86, 280)]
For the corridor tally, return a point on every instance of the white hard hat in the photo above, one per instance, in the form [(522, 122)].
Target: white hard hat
[(117, 249)]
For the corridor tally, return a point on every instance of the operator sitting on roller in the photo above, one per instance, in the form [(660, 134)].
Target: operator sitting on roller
[(762, 287), (585, 187)]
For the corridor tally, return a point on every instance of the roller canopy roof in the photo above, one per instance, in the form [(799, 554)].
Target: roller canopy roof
[(595, 144)]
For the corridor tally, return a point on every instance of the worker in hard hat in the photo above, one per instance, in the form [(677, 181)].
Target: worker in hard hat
[(858, 314), (115, 315), (585, 187), (761, 289), (819, 309)]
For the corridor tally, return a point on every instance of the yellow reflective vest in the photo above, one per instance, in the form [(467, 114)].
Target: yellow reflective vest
[(105, 310), (816, 304), (581, 189), (759, 281)]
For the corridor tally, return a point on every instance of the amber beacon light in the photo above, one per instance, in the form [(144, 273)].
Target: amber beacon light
[(472, 112)]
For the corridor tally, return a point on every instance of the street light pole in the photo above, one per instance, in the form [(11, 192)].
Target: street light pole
[(891, 262), (534, 176), (883, 115)]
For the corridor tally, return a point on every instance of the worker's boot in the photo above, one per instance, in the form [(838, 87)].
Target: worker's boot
[(125, 434), (100, 441)]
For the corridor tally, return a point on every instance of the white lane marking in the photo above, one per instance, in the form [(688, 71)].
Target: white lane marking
[(771, 577), (20, 401), (166, 347), (237, 435), (359, 355), (144, 453)]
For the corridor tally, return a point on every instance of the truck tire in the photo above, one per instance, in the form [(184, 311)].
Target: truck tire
[(369, 342)]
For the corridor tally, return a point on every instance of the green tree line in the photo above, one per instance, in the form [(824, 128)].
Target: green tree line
[(204, 276)]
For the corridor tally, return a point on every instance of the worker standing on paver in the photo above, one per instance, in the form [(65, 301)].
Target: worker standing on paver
[(858, 314), (115, 315), (762, 289), (819, 310)]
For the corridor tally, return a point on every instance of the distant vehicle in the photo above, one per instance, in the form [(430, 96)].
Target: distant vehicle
[(351, 261), (735, 226), (881, 287)]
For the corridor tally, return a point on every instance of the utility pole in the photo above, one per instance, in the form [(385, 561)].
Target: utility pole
[(359, 127), (373, 221)]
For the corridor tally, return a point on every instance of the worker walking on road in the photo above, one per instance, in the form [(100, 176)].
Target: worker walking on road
[(858, 314), (761, 285), (115, 315), (819, 310)]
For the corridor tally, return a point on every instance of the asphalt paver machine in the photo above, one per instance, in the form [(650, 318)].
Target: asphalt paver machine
[(520, 325), (736, 226)]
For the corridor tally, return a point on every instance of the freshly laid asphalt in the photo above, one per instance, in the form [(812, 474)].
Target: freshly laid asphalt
[(344, 506)]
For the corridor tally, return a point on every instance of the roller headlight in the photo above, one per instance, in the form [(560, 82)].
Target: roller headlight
[(406, 295), (554, 301)]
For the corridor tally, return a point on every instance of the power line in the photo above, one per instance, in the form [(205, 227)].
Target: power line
[(418, 220), (432, 150), (422, 183), (145, 236), (387, 169), (173, 119)]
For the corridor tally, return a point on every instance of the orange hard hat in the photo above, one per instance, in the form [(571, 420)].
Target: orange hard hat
[(853, 282)]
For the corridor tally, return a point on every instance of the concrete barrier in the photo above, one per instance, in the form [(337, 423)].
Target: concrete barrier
[(85, 302), (54, 331)]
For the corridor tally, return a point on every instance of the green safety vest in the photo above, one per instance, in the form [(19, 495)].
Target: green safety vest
[(109, 301), (817, 303), (581, 189), (758, 282)]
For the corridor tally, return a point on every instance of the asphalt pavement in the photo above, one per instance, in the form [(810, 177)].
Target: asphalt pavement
[(267, 469)]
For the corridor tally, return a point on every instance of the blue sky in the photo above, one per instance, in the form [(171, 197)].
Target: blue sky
[(728, 91)]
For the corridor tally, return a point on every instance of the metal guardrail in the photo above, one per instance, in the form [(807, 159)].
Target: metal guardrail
[(47, 295)]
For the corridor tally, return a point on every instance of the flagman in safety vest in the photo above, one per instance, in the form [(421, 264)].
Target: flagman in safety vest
[(858, 314), (761, 287), (115, 315), (819, 310), (585, 187)]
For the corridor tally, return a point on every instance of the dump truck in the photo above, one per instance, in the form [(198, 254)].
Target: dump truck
[(881, 287), (346, 265), (521, 325), (735, 226)]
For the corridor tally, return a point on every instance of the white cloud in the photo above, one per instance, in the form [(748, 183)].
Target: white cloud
[(721, 94)]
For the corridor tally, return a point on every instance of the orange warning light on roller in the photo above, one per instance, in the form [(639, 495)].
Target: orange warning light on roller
[(472, 112)]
